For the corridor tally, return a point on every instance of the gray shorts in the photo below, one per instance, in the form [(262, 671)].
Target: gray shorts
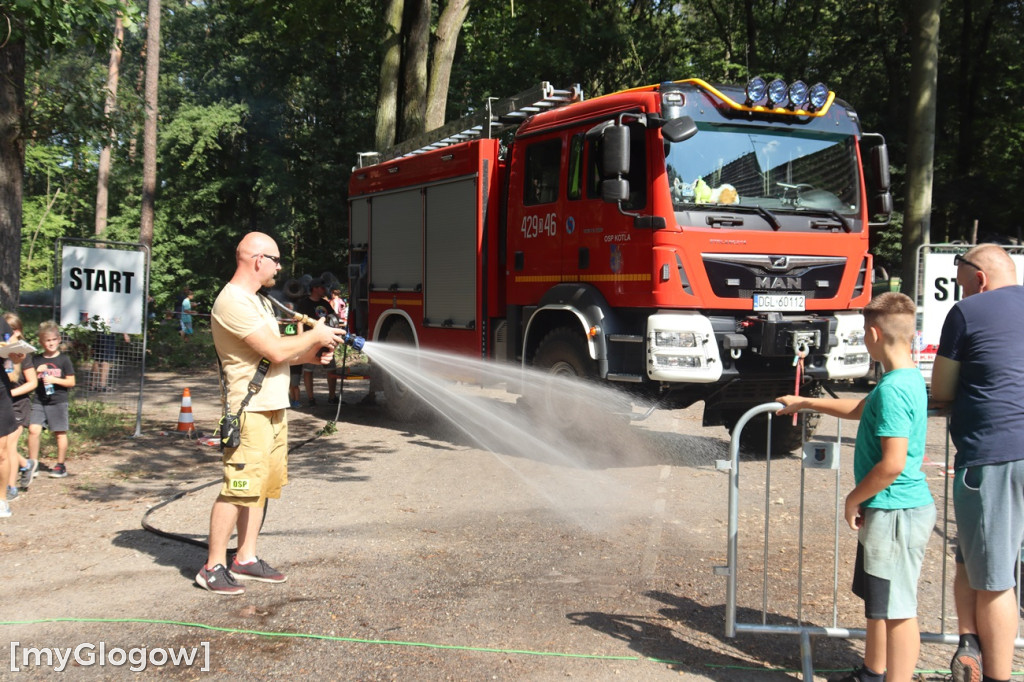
[(53, 417), (890, 550), (989, 505)]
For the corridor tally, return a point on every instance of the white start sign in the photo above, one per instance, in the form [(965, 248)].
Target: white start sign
[(940, 293), (104, 282)]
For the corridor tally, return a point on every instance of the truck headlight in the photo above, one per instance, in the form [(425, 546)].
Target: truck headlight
[(856, 338), (675, 339), (856, 359), (684, 361)]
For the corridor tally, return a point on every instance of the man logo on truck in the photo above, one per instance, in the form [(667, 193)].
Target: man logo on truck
[(776, 283)]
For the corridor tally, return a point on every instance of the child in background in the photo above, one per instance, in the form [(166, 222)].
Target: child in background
[(56, 376), (186, 313), (23, 381), (891, 506), (339, 306)]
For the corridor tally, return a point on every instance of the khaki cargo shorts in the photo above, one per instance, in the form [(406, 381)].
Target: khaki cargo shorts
[(258, 467)]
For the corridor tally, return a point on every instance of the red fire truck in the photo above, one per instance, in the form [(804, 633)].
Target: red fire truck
[(684, 241)]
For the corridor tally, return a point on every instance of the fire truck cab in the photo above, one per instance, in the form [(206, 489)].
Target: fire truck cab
[(684, 241)]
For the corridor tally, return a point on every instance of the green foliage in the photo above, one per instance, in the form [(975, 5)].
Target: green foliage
[(264, 106), (166, 350), (49, 214)]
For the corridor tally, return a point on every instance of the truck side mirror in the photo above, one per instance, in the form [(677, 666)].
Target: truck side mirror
[(881, 205), (880, 166), (876, 177), (679, 129), (615, 151), (615, 190)]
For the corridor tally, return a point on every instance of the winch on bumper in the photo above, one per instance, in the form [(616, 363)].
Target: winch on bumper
[(837, 341), (773, 336)]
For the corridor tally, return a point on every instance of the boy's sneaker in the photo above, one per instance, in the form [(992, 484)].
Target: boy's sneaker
[(27, 473), (5, 509), (311, 402), (257, 570), (12, 493), (332, 400), (858, 674), (218, 579), (58, 471), (966, 663), (296, 404)]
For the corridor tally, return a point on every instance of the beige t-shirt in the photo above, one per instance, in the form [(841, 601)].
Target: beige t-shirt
[(236, 314)]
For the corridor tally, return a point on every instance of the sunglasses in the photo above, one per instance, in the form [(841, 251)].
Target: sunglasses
[(276, 259), (958, 259)]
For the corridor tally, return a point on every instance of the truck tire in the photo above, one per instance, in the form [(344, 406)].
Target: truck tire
[(786, 437), (399, 400), (562, 355)]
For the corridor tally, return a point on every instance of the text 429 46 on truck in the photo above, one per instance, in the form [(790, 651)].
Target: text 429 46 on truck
[(684, 241)]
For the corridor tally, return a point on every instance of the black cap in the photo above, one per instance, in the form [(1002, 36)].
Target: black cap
[(317, 283)]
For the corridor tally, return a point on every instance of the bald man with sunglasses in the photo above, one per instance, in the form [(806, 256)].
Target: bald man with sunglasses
[(978, 370), (245, 332)]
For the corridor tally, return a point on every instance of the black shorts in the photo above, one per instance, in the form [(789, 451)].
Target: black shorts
[(104, 347), (8, 424), (22, 410)]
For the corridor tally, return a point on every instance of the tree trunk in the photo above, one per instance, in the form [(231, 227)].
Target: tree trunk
[(390, 67), (753, 66), (924, 68), (149, 132), (113, 75), (414, 80), (12, 168), (975, 43), (446, 40)]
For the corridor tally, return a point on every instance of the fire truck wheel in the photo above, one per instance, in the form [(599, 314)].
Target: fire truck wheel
[(563, 353), (400, 402), (786, 437), (563, 356)]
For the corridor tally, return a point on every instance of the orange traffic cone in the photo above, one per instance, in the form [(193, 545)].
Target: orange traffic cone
[(185, 421)]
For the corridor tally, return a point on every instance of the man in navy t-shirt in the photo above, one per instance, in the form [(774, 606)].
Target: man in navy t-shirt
[(978, 370)]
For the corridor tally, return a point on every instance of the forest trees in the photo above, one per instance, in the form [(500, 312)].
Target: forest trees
[(31, 27), (265, 105), (407, 85)]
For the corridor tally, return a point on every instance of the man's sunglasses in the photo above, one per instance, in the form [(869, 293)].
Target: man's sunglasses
[(958, 259), (276, 259)]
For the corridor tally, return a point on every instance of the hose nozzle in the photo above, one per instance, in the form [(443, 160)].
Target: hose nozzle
[(356, 342)]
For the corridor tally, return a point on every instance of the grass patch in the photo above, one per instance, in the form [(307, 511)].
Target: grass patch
[(92, 426)]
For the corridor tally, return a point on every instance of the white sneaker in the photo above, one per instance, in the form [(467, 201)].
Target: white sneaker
[(5, 509)]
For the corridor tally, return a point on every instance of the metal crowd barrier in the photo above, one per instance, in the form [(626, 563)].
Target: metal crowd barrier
[(804, 630)]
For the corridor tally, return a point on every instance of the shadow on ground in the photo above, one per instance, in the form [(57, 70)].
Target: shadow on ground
[(657, 641)]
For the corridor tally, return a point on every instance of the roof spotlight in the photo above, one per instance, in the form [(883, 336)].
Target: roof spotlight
[(777, 90), (798, 94), (818, 95), (757, 87)]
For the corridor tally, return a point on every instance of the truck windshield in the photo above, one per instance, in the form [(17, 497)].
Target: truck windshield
[(783, 172)]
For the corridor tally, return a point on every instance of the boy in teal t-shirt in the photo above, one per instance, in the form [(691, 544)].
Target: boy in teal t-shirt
[(891, 506)]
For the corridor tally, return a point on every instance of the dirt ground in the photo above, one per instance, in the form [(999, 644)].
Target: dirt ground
[(413, 555)]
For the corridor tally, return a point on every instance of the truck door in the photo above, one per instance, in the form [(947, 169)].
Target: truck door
[(534, 257), (603, 248)]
